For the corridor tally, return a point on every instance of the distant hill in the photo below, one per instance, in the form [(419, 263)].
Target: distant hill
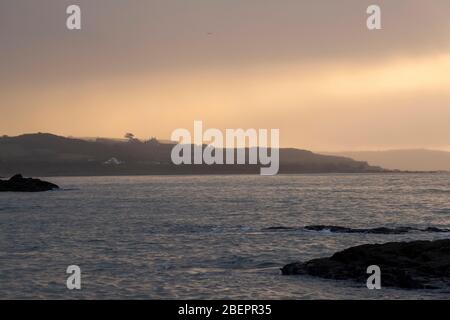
[(411, 160), (46, 154)]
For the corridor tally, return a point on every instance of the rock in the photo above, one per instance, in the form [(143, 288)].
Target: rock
[(409, 265), (339, 229), (380, 230), (20, 184), (279, 228)]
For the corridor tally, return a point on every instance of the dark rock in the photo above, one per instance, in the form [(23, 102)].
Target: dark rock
[(20, 184), (379, 230), (409, 265), (336, 229), (278, 228), (434, 229)]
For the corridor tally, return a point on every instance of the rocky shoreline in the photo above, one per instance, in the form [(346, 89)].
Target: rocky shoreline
[(407, 265), (340, 229), (20, 184)]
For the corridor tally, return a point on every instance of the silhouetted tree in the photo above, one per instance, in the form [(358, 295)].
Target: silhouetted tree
[(129, 136), (132, 138)]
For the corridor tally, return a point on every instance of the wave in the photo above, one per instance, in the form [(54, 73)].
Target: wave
[(433, 190)]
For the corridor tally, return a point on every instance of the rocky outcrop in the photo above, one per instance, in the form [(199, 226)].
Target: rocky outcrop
[(20, 184), (410, 265), (339, 229)]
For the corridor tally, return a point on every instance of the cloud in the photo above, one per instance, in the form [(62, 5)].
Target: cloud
[(310, 68), (121, 37)]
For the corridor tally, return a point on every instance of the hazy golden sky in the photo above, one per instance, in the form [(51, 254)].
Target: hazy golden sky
[(309, 68)]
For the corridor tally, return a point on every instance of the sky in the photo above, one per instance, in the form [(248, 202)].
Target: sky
[(309, 68)]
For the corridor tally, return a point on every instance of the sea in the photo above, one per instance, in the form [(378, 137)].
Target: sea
[(208, 237)]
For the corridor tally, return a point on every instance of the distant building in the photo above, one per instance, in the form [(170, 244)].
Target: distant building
[(113, 162)]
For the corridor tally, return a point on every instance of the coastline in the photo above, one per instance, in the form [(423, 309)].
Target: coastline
[(175, 174)]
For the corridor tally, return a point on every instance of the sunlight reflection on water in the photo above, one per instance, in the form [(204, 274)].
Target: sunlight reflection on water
[(204, 236)]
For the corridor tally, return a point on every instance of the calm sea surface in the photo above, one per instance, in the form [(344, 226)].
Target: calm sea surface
[(192, 237)]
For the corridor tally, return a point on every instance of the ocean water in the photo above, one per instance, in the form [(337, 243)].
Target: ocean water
[(206, 237)]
